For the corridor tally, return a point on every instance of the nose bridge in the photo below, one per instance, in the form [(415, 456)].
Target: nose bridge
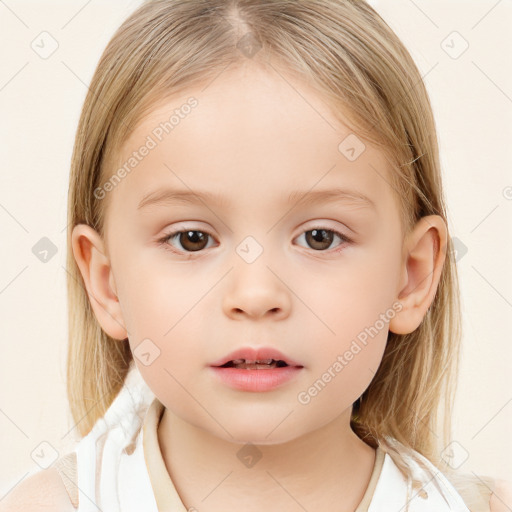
[(255, 288)]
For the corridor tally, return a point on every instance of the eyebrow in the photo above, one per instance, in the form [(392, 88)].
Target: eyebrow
[(168, 197)]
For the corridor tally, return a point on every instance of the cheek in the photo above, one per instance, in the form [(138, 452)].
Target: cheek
[(350, 313), (152, 301), (347, 359), (353, 294), (163, 307), (168, 345)]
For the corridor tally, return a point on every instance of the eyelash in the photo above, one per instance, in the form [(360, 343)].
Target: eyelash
[(164, 240)]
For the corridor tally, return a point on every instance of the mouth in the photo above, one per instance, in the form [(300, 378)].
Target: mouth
[(260, 358), (256, 370), (265, 364)]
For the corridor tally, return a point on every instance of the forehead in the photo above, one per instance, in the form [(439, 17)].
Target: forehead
[(251, 133)]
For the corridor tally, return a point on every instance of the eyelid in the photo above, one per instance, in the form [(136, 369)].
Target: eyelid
[(326, 224)]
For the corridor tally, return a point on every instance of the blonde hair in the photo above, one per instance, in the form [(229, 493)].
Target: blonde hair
[(348, 53)]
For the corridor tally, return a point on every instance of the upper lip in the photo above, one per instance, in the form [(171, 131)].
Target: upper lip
[(255, 354)]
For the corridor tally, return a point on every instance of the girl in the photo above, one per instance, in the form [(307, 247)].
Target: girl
[(263, 295)]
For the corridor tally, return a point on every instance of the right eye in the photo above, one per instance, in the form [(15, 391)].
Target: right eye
[(191, 240)]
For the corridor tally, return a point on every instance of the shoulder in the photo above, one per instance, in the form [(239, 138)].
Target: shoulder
[(501, 497), (42, 492)]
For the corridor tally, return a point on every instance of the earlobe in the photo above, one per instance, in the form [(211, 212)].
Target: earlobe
[(425, 253), (90, 256)]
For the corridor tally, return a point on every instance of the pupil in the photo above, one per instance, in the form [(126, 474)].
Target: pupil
[(319, 236), (193, 240)]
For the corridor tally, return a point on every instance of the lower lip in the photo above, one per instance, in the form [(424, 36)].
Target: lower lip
[(256, 380)]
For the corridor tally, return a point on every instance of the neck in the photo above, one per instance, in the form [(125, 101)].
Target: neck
[(328, 468)]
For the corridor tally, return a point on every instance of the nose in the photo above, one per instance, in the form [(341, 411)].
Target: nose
[(256, 291)]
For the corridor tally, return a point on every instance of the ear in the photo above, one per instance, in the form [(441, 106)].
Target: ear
[(424, 256), (93, 262)]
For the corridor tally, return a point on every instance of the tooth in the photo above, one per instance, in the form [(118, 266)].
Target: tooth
[(251, 361)]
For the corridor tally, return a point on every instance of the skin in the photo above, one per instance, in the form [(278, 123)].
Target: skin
[(254, 137)]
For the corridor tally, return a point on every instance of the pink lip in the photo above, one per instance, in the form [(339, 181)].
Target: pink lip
[(259, 380), (256, 354), (256, 380)]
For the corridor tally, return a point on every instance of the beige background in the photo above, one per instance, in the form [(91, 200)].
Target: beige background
[(40, 101)]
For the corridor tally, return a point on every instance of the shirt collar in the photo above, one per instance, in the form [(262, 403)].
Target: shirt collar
[(166, 495)]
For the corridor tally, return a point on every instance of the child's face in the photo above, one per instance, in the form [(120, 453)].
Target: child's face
[(253, 139)]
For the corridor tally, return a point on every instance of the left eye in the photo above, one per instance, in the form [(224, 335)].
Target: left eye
[(194, 240), (320, 239)]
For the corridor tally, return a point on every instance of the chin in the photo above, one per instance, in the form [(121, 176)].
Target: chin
[(263, 434)]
